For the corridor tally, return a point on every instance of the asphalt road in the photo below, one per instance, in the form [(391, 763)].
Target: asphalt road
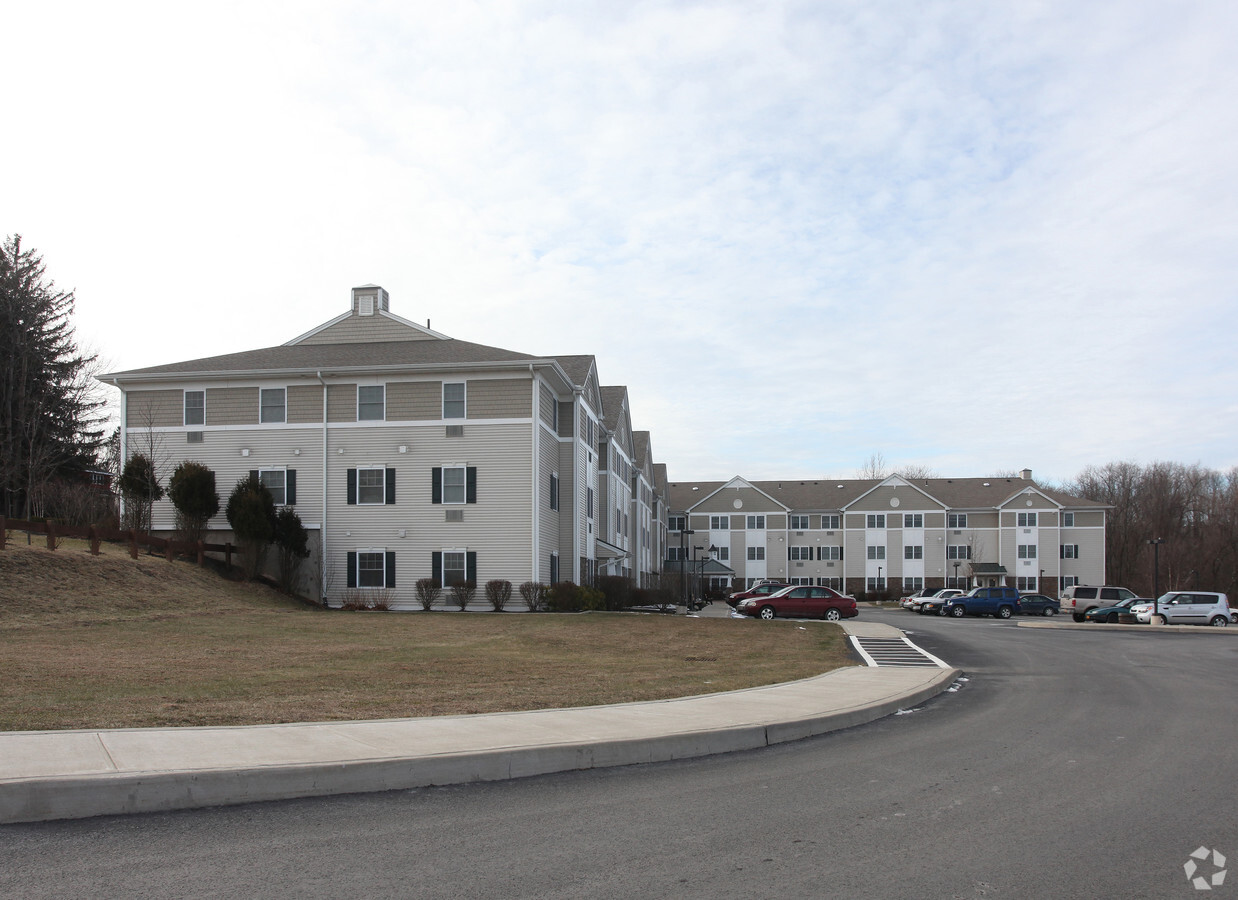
[(1068, 764)]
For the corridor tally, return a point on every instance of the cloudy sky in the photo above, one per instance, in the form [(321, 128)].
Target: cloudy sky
[(969, 236)]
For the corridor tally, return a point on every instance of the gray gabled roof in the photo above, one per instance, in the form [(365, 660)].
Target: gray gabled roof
[(334, 357)]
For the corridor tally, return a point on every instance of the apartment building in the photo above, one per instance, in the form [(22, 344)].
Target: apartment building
[(894, 533), (409, 454)]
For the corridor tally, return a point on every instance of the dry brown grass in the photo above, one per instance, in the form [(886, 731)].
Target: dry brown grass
[(109, 642)]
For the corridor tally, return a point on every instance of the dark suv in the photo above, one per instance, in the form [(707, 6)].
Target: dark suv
[(999, 602)]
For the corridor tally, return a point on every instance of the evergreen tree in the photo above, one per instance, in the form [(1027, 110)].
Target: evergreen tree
[(50, 422), (192, 492), (251, 513), (139, 485), (292, 543)]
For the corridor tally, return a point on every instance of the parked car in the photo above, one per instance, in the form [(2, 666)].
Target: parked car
[(1187, 608), (999, 602), (801, 601), (1079, 598), (760, 589), (1038, 605), (1112, 614), (934, 605)]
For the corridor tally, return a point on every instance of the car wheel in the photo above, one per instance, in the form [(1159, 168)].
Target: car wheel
[(1219, 621), (1078, 617), (1049, 610), (767, 612), (1112, 618), (957, 611), (832, 615), (1003, 612), (941, 611)]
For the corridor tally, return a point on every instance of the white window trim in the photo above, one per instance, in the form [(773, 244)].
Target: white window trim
[(383, 416), (284, 470), (464, 552), (261, 406), (382, 485), (464, 484), (185, 408), (382, 555), (464, 415)]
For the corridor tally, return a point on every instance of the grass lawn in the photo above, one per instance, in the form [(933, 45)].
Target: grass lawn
[(111, 642)]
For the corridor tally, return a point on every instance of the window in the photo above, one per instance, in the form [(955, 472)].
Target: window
[(1027, 551), (956, 520), (1068, 520), (370, 485), (1027, 520), (371, 403), (589, 509), (371, 568), (877, 521), (1069, 580), (913, 520), (195, 407), (674, 553), (958, 551), (830, 552), (876, 551), (676, 523), (281, 483), (799, 523), (1070, 551), (834, 581), (799, 581), (756, 523), (454, 570), (831, 523), (799, 553), (453, 400), (453, 484), (876, 584), (959, 582), (913, 584), (913, 551), (724, 553), (554, 561), (1025, 583), (756, 553), (720, 523), (272, 403), (554, 491)]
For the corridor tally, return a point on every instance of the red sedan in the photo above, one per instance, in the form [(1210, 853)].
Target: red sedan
[(800, 602)]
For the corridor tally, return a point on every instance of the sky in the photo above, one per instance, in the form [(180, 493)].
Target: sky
[(969, 237)]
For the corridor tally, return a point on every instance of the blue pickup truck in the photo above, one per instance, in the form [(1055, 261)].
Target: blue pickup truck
[(999, 602)]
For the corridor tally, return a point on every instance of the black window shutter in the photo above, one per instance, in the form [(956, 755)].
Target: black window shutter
[(352, 487), (253, 473), (436, 567), (390, 566), (470, 562), (470, 485), (291, 488), (390, 486), (788, 553), (352, 570), (436, 485), (840, 552)]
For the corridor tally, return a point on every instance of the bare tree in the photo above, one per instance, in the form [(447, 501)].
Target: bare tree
[(874, 468)]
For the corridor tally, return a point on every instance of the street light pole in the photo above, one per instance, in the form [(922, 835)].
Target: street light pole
[(956, 573), (683, 560), (1156, 575)]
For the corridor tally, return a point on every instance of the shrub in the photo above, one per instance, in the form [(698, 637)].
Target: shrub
[(463, 592), (292, 543), (534, 595), (498, 592), (251, 513), (561, 597), (616, 591), (357, 600), (139, 485), (427, 592), (192, 492)]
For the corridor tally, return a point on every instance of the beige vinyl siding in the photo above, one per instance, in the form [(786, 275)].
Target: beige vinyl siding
[(414, 401), (546, 404), (754, 502), (305, 403), (855, 554), (1089, 567), (366, 330), (879, 499), (273, 448), (568, 534), (547, 518), (232, 406), (776, 522), (982, 519), (565, 419), (934, 520), (854, 521), (506, 398), (496, 527), (156, 409), (341, 403), (1094, 518)]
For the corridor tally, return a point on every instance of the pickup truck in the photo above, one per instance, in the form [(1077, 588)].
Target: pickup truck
[(999, 602)]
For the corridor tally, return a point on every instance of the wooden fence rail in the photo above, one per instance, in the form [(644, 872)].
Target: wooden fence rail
[(132, 537)]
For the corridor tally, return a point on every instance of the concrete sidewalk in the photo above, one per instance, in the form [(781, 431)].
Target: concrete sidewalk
[(75, 774)]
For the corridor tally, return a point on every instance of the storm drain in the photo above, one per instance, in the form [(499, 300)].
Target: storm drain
[(894, 652)]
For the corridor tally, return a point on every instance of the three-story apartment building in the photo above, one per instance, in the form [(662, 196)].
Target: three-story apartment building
[(408, 454)]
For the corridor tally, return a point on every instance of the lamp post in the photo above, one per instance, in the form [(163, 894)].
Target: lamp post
[(1156, 575), (696, 578), (956, 573), (880, 588), (683, 558)]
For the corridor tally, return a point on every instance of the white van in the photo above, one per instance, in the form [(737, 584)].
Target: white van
[(1078, 599), (1187, 608)]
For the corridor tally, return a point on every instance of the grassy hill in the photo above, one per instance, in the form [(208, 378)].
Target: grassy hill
[(108, 642)]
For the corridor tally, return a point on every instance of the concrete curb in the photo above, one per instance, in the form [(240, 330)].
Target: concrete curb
[(1146, 629), (743, 720)]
